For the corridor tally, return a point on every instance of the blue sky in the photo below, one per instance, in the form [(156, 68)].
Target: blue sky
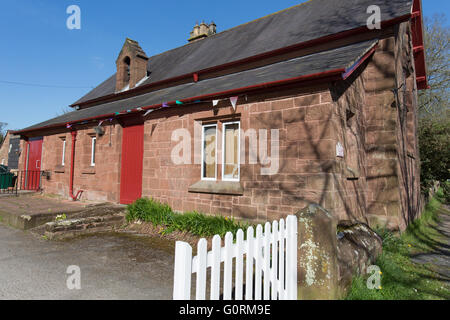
[(37, 48)]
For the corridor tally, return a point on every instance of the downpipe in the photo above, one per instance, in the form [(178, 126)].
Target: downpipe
[(72, 165)]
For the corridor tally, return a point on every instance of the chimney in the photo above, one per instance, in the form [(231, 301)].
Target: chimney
[(131, 65), (202, 31)]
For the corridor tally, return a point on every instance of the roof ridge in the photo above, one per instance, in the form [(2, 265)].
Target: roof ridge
[(232, 28)]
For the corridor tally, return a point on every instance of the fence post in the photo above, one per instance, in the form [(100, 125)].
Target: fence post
[(183, 271), (291, 258)]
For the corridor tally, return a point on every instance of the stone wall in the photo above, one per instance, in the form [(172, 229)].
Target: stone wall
[(307, 122), (391, 116), (100, 182)]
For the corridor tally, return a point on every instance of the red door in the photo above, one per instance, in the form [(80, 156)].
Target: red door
[(132, 163), (32, 179)]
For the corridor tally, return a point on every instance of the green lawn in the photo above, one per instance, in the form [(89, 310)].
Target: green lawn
[(401, 278)]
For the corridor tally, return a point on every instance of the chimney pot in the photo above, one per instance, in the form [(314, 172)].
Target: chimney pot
[(202, 31)]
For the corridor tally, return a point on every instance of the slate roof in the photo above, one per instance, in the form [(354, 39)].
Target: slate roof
[(307, 21), (340, 58)]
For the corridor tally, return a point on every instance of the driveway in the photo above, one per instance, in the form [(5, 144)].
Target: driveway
[(112, 266)]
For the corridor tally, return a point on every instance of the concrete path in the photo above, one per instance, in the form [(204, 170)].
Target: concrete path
[(113, 266), (440, 257)]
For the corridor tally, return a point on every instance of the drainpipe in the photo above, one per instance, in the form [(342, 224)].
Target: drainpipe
[(72, 164)]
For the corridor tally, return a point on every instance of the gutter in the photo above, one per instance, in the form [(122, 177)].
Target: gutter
[(72, 165)]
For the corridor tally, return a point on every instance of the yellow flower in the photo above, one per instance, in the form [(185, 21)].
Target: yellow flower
[(381, 272), (380, 287)]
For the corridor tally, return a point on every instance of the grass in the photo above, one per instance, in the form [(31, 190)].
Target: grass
[(161, 215), (401, 278)]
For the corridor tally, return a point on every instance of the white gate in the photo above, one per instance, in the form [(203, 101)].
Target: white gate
[(270, 265)]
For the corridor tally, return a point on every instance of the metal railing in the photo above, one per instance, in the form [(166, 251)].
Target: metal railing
[(13, 182)]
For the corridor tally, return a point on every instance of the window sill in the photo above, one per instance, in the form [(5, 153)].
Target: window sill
[(217, 187), (88, 171)]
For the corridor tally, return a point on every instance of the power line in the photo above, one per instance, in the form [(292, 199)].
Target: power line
[(43, 85)]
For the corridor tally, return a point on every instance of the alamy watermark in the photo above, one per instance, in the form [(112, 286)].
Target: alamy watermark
[(374, 20), (73, 281), (261, 149), (74, 20), (374, 280)]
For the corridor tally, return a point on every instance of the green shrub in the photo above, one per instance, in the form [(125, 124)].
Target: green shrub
[(196, 223), (446, 192)]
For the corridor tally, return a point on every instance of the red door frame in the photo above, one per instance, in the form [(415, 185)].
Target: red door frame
[(33, 158), (132, 160)]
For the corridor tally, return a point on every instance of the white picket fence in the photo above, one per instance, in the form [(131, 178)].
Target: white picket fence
[(270, 265)]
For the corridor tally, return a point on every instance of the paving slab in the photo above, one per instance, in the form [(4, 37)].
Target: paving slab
[(32, 210)]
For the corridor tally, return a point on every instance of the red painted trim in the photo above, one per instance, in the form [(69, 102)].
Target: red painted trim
[(418, 45), (195, 77), (72, 168), (273, 53)]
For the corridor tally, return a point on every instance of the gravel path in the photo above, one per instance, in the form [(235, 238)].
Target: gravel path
[(440, 257)]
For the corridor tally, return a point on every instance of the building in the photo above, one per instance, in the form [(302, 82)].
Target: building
[(312, 104), (10, 151)]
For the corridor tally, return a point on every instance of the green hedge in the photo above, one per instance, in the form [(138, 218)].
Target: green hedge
[(196, 223)]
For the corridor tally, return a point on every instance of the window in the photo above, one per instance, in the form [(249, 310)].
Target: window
[(209, 146), (94, 142), (63, 153), (231, 151)]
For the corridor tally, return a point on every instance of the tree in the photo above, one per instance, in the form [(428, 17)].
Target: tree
[(2, 132), (434, 111), (434, 137), (435, 101)]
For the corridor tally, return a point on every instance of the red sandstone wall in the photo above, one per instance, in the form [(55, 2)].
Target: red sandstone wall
[(100, 183), (307, 126)]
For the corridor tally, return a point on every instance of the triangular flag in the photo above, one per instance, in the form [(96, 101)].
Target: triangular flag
[(215, 102), (178, 102), (165, 105), (148, 111), (234, 102)]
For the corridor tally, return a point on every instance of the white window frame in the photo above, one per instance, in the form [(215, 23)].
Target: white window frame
[(10, 148), (63, 160), (224, 124), (203, 152), (93, 149)]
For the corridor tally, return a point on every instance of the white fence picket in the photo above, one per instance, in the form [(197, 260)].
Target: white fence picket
[(258, 262), (270, 264), (249, 264), (273, 270), (201, 268), (228, 267), (215, 268), (239, 264), (281, 286)]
